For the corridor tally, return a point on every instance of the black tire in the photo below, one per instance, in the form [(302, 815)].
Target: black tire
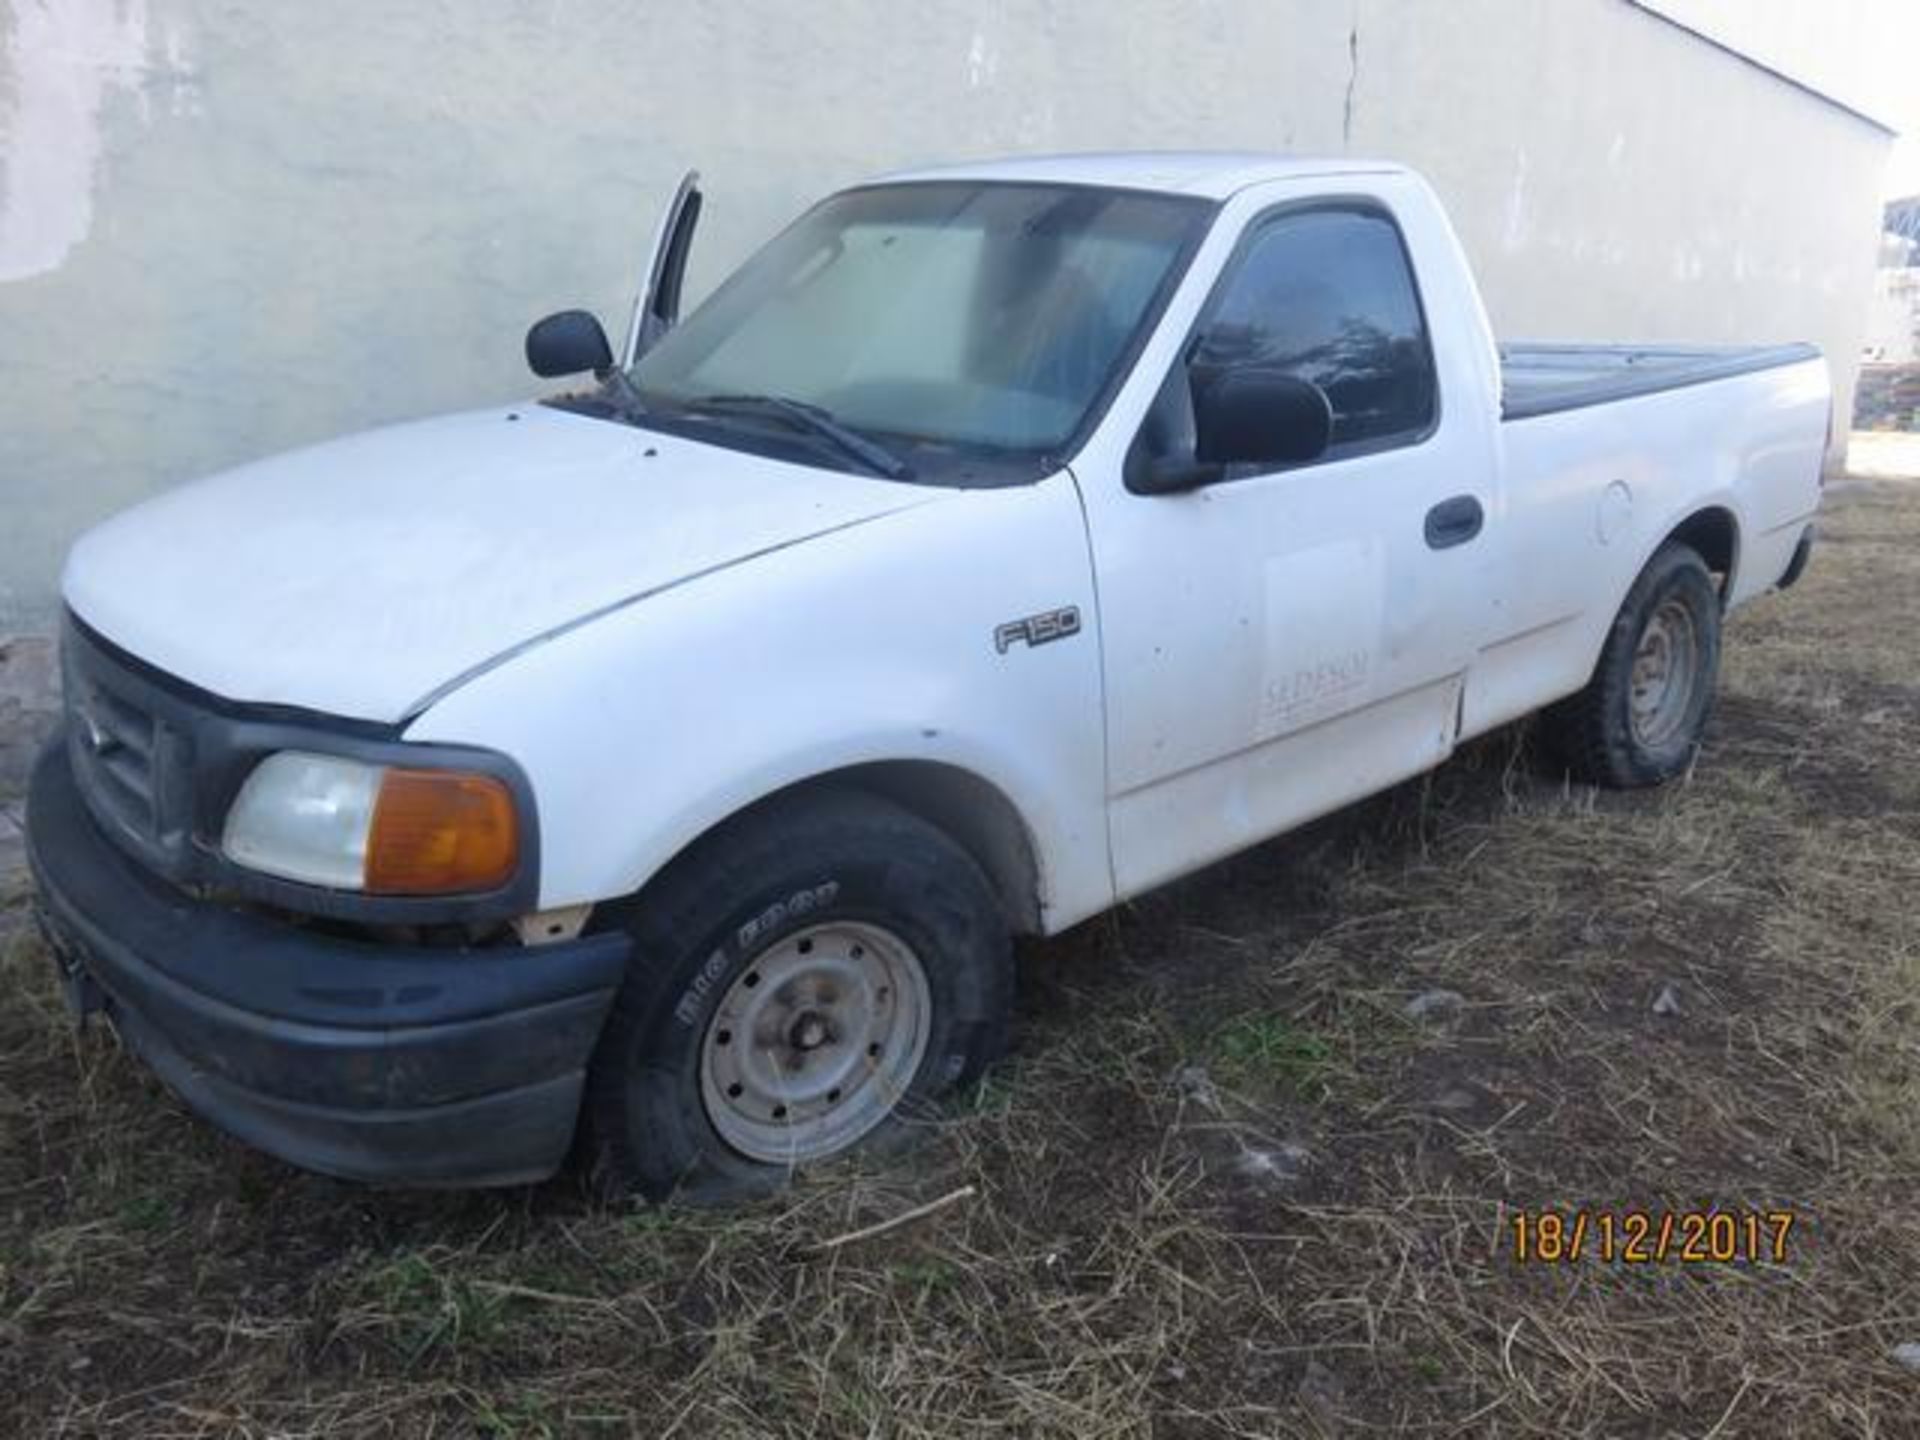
[(1595, 732), (783, 871)]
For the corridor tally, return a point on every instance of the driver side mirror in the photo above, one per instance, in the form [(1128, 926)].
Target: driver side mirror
[(1243, 415), (566, 343), (1253, 415)]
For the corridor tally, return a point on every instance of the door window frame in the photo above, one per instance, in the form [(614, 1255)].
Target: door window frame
[(1251, 235)]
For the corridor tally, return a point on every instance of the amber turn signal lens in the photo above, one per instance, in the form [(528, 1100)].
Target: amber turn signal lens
[(438, 832)]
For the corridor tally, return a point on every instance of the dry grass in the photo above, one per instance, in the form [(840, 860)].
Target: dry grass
[(1226, 1187)]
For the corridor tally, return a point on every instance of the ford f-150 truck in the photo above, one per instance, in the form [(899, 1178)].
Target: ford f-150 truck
[(668, 762)]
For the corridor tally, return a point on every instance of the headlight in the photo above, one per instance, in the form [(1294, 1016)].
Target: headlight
[(348, 825)]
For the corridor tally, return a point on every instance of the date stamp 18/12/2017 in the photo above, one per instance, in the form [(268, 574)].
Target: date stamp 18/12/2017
[(1649, 1237)]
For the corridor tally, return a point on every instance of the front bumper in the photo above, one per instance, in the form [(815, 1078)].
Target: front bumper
[(395, 1064)]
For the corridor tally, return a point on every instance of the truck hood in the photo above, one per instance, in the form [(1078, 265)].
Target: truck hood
[(365, 575)]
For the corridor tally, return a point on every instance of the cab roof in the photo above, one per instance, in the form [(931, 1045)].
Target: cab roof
[(1214, 174)]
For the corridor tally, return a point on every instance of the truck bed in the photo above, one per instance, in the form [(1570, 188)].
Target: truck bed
[(1540, 379)]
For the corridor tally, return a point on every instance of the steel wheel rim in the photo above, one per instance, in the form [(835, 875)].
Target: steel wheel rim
[(815, 1041), (1664, 675)]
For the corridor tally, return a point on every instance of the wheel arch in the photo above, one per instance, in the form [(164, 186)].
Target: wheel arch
[(969, 810), (1713, 533)]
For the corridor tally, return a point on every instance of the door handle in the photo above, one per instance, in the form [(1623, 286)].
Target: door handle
[(1454, 522)]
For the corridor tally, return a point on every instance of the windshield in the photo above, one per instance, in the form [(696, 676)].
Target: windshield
[(944, 314)]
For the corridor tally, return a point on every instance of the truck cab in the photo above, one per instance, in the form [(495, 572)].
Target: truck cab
[(672, 758)]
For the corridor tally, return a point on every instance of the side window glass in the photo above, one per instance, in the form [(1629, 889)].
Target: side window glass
[(1328, 295)]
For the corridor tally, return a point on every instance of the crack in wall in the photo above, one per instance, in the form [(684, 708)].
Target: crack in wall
[(1353, 76)]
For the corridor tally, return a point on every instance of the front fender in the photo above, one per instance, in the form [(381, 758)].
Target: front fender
[(642, 730)]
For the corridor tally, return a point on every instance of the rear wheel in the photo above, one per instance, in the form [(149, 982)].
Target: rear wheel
[(805, 981), (1640, 718)]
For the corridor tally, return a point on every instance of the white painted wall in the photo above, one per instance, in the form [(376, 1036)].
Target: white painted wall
[(232, 226)]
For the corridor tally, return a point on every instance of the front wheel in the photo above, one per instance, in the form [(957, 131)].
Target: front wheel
[(1640, 718), (803, 982)]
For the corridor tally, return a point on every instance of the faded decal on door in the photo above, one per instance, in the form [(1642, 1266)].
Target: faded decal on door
[(1324, 607)]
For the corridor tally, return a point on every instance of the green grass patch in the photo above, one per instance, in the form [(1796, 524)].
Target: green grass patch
[(426, 1305), (1273, 1050)]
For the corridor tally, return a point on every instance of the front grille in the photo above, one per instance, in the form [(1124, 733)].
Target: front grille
[(157, 760), (128, 761), (113, 740)]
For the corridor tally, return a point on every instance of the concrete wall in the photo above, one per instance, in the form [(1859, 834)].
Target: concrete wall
[(232, 226)]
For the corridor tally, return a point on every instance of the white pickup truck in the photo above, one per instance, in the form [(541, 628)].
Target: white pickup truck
[(670, 762)]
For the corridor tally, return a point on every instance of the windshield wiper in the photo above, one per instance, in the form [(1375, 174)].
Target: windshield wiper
[(814, 419)]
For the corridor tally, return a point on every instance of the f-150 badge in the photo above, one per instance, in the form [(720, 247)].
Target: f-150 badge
[(1038, 629)]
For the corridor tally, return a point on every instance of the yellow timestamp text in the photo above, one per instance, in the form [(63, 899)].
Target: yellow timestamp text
[(1650, 1237)]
